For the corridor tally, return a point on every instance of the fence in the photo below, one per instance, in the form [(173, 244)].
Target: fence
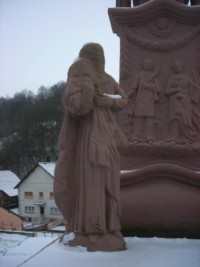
[(11, 226)]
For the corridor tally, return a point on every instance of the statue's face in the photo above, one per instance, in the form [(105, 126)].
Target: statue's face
[(147, 65), (177, 66)]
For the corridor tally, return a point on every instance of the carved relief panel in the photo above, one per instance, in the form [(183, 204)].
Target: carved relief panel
[(160, 72)]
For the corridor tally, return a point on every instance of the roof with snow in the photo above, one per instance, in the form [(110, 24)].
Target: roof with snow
[(8, 180), (49, 167)]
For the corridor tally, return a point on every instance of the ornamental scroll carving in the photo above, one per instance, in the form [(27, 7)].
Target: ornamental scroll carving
[(163, 45), (124, 59)]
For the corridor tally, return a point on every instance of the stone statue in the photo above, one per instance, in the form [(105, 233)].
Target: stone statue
[(184, 117), (145, 95), (87, 174)]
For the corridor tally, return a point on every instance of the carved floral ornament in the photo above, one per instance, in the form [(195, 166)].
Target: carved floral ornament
[(164, 44)]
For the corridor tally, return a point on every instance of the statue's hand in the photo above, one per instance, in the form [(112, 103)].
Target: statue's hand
[(179, 95), (104, 101)]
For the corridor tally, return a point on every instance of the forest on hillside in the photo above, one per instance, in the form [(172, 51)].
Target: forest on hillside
[(29, 128)]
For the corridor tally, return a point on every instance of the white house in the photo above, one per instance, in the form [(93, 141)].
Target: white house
[(35, 194)]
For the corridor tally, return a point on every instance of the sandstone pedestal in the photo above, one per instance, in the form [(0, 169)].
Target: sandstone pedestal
[(160, 73)]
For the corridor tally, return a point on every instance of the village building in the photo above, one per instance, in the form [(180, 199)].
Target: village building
[(36, 197), (10, 220), (8, 194)]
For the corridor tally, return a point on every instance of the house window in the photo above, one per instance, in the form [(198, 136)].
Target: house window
[(29, 209), (41, 195), (28, 194), (51, 195), (54, 210)]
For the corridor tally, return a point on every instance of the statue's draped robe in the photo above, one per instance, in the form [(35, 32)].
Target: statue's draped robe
[(143, 106), (87, 177), (182, 108)]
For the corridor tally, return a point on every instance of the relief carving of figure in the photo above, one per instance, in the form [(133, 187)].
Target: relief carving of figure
[(143, 98), (184, 116), (87, 174)]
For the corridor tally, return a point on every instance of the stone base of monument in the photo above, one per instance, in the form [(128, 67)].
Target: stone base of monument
[(105, 242), (161, 199)]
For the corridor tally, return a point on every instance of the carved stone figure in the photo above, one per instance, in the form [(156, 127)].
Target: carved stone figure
[(145, 94), (87, 174), (184, 117)]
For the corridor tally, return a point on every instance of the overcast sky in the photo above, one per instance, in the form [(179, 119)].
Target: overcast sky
[(39, 39)]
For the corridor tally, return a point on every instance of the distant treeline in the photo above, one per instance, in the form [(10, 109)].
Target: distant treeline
[(29, 128)]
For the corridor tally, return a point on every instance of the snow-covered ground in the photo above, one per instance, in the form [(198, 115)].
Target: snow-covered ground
[(45, 250), (15, 248)]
